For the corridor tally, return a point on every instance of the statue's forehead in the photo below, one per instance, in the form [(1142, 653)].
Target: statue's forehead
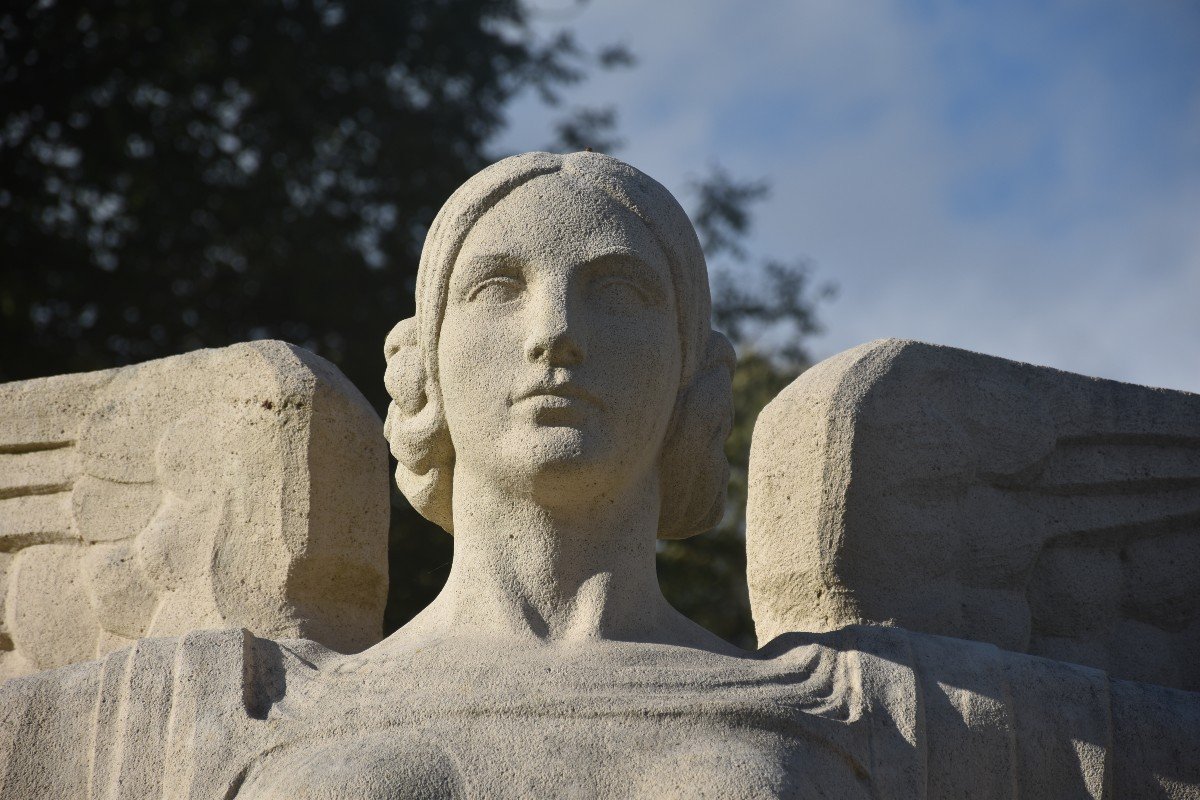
[(559, 212)]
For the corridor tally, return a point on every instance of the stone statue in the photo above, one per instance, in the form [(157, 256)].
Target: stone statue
[(560, 403)]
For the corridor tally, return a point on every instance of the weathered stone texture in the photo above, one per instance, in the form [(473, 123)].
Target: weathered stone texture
[(965, 495), (243, 486)]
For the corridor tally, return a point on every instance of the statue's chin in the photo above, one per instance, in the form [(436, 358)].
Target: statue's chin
[(554, 448), (559, 461)]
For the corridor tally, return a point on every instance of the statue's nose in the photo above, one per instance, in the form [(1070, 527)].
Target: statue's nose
[(557, 350), (554, 341)]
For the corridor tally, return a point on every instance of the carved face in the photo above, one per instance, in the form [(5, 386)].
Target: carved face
[(559, 354)]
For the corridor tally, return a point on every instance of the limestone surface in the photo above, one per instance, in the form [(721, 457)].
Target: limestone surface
[(965, 495), (244, 486), (560, 402), (864, 712)]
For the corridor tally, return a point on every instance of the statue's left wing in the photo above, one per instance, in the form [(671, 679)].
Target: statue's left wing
[(972, 496)]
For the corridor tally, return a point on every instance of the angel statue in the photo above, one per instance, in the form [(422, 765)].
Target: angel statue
[(560, 403)]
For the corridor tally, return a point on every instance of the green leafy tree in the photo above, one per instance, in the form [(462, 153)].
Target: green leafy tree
[(177, 174)]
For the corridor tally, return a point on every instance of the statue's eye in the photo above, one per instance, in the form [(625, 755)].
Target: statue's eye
[(623, 290), (497, 289), (624, 281)]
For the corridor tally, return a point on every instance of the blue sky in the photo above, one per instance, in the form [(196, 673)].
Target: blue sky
[(1017, 178)]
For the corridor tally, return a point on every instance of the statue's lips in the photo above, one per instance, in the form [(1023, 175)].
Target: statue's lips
[(564, 395)]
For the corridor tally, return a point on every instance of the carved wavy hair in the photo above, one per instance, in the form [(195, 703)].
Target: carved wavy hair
[(693, 469)]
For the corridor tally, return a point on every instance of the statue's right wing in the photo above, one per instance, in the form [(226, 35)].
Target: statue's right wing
[(245, 486), (40, 421), (40, 425)]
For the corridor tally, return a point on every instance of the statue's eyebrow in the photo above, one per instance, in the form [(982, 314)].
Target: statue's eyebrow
[(625, 254), (490, 263)]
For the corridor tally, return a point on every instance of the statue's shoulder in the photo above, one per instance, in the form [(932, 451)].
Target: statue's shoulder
[(169, 716), (962, 704)]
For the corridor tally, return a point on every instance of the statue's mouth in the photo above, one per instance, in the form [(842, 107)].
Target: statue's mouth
[(560, 395)]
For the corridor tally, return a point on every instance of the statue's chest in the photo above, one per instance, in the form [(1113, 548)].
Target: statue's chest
[(523, 758), (555, 738)]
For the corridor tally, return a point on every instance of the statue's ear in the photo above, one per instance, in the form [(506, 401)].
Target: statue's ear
[(416, 428), (694, 470)]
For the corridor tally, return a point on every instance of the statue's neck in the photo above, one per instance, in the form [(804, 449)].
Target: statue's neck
[(527, 571)]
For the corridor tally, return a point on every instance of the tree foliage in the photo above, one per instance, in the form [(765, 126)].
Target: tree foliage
[(177, 174)]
